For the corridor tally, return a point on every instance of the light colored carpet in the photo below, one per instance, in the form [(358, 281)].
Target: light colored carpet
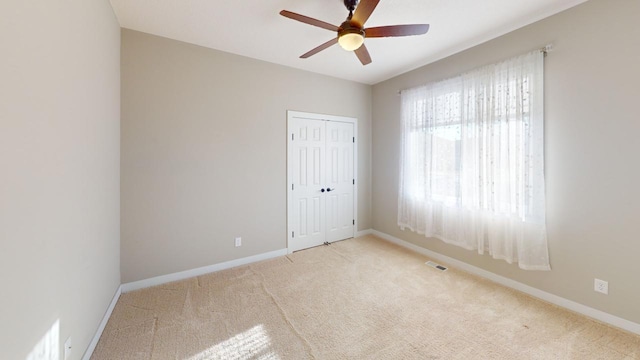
[(356, 299)]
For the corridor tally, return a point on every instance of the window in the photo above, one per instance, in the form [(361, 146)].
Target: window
[(472, 170)]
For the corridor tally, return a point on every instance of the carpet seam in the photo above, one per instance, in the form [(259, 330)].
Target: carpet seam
[(153, 337), (344, 256), (284, 314)]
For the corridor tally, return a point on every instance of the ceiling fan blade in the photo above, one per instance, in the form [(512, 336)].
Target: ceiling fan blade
[(363, 55), (396, 30), (363, 11), (319, 48), (308, 20)]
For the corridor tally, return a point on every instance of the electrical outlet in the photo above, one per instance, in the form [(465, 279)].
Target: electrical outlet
[(601, 286), (67, 349), (238, 241)]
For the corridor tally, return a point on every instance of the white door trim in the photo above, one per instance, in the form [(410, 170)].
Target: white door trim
[(304, 115)]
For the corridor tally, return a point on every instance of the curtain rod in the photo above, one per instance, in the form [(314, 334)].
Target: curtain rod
[(545, 50)]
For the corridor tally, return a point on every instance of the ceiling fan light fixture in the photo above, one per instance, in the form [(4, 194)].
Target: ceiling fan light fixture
[(351, 40)]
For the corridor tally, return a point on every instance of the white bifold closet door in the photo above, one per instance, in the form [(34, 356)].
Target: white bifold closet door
[(321, 174)]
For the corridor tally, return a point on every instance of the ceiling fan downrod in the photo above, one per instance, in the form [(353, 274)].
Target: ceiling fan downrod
[(351, 5)]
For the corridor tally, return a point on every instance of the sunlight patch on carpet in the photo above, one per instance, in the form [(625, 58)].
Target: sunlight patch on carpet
[(251, 344)]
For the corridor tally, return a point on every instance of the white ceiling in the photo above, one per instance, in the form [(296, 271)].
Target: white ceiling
[(253, 28)]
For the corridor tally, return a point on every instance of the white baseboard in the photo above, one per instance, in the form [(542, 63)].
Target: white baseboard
[(364, 232), (103, 323), (548, 297), (163, 279)]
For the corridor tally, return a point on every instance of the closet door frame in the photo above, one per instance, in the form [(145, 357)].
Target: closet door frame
[(323, 117)]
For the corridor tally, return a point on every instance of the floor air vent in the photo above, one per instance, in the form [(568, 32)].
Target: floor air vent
[(436, 266)]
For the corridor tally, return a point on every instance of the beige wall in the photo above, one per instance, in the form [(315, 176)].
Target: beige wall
[(592, 171), (204, 152), (59, 171)]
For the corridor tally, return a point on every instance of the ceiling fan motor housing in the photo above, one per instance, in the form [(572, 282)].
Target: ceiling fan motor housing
[(348, 27)]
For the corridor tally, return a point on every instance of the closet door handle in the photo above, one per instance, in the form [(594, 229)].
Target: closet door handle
[(329, 189), (321, 190)]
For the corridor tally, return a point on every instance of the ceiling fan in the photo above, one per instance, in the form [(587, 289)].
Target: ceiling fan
[(351, 33)]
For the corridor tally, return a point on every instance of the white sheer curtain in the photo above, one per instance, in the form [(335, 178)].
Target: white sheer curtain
[(472, 163)]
